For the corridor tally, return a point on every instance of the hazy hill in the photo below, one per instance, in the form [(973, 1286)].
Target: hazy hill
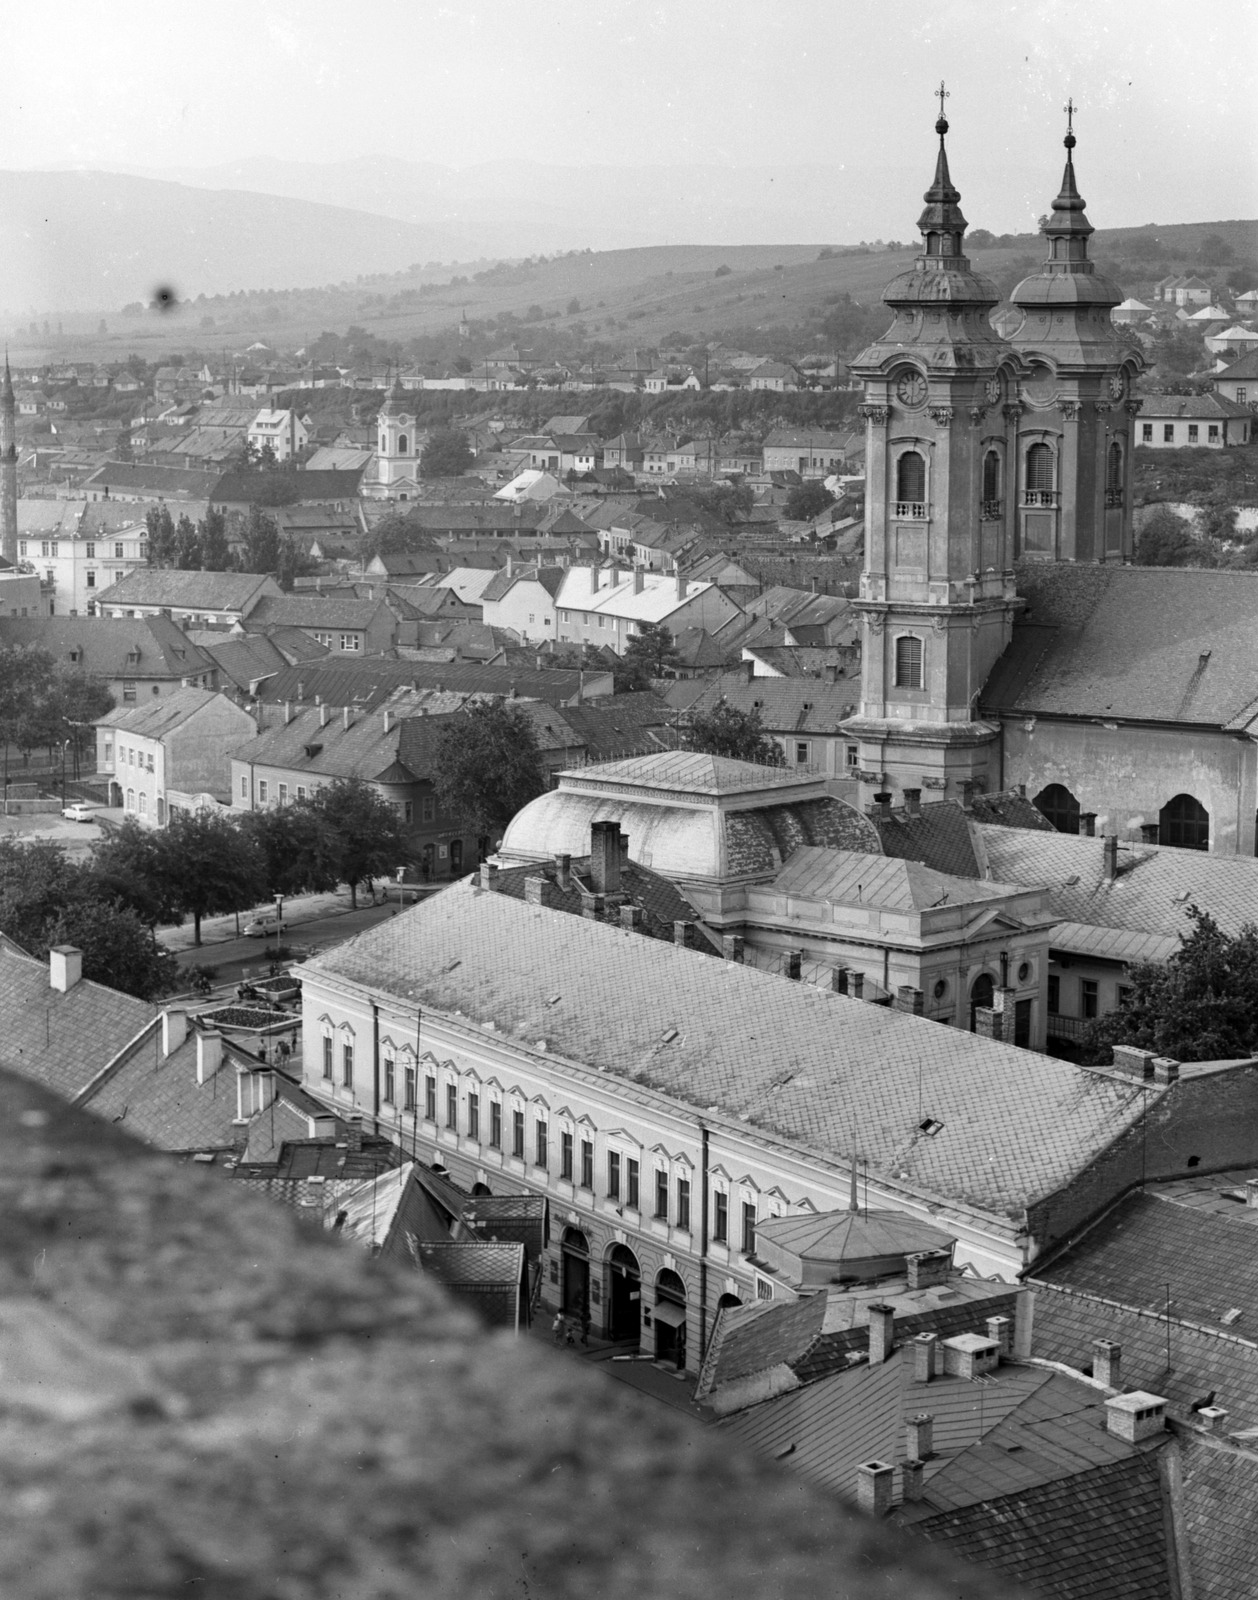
[(97, 240)]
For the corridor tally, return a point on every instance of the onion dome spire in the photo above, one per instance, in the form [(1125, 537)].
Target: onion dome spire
[(941, 224)]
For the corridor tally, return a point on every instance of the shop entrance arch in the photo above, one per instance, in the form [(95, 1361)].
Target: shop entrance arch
[(624, 1295), (670, 1319), (575, 1250)]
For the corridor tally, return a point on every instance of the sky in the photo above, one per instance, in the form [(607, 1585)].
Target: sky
[(1166, 91)]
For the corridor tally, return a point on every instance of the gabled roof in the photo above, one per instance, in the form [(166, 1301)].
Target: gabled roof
[(201, 591), (157, 1098), (162, 716), (785, 705), (61, 1040), (1151, 893), (1145, 644), (1017, 1125), (104, 646), (240, 488), (1245, 368), (313, 611), (502, 581), (363, 750), (245, 659), (697, 772), (1208, 407), (370, 682)]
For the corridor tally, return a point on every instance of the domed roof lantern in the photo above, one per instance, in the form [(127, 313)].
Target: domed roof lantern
[(1068, 221)]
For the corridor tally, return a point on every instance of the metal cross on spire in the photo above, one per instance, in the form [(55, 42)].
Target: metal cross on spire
[(1069, 109), (942, 94)]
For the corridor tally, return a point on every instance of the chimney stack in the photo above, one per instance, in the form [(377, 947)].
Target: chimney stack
[(639, 579), (1136, 1416), (1165, 1069), (749, 669), (488, 875), (563, 872), (323, 715), (913, 802), (924, 1357), (1251, 1192), (909, 999), (354, 1132), (301, 691), (1111, 856), (1132, 1061), (631, 918), (605, 857), (209, 1054), (795, 964), (873, 1487), (1214, 1418), (927, 1267), (856, 985), (911, 1475), (174, 1030), (388, 719), (1087, 824), (733, 946), (288, 712), (967, 796), (65, 967), (1000, 1329), (346, 718), (881, 1333), (683, 933), (1107, 1360), (1150, 833), (681, 586), (533, 889), (919, 1436)]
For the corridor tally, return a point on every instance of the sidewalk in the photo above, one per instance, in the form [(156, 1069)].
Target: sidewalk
[(301, 908), (660, 1380)]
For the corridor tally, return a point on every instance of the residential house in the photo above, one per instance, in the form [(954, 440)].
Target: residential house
[(523, 599), (138, 660), (139, 481), (607, 608), (367, 684), (811, 452), (1239, 382), (343, 626), (775, 376), (284, 433), (194, 599), (469, 584), (316, 745), (22, 594), (1192, 421), (655, 456), (747, 460), (245, 661), (624, 451), (172, 754), (79, 561), (237, 491)]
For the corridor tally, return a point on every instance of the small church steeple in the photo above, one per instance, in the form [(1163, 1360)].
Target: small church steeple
[(941, 224), (8, 467), (1068, 228)]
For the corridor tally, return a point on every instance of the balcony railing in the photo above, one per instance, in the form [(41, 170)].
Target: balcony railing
[(993, 510), (1040, 497), (909, 510), (1075, 1028), (1113, 497)]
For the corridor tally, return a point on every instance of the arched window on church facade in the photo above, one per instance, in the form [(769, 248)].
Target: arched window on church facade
[(910, 485), (908, 662), (403, 444), (1185, 822), (991, 484), (1040, 486), (1059, 806), (1114, 475)]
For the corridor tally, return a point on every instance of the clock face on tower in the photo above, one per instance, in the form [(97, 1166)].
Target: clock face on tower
[(1117, 387), (910, 389), (992, 391)]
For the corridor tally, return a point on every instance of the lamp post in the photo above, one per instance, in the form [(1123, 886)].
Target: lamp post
[(279, 915), (65, 745)]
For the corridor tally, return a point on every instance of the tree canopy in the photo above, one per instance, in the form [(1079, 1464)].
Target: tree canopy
[(208, 866), (300, 847), (1167, 540), (651, 653), (727, 731), (47, 899), (366, 831), (446, 455), (1202, 1005), (488, 765), (807, 500)]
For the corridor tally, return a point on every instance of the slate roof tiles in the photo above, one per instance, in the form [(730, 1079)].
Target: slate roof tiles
[(1017, 1125)]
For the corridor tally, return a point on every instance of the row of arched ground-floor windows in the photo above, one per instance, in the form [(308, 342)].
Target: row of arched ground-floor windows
[(1183, 821), (605, 1298)]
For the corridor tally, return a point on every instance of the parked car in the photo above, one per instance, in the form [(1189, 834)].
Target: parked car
[(264, 926), (80, 812)]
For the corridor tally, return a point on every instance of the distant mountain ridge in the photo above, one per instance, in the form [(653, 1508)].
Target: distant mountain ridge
[(98, 240)]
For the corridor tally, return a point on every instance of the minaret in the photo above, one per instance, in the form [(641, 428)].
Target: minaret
[(1077, 429), (8, 469), (937, 595)]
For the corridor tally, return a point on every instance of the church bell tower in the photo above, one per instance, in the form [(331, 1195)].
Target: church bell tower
[(1077, 425), (8, 469), (937, 596)]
